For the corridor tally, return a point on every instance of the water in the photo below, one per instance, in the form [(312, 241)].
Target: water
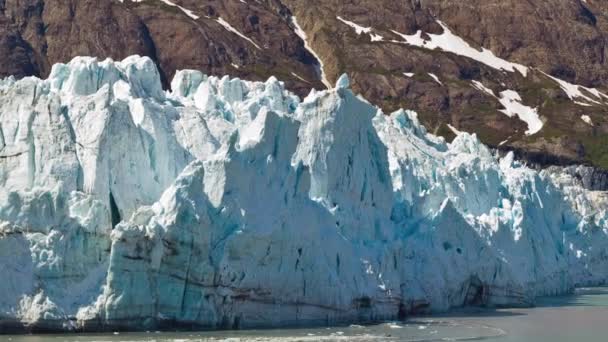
[(582, 317)]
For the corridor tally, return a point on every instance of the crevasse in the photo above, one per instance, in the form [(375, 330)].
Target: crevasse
[(227, 203)]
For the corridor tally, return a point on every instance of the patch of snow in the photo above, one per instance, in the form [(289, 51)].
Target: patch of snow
[(514, 107), (453, 129), (587, 119), (376, 37), (409, 74), (302, 34), (575, 91), (299, 77), (583, 104), (229, 27), (188, 12), (360, 30), (435, 78), (449, 42), (478, 85)]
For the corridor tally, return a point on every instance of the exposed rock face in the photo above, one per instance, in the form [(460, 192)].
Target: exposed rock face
[(17, 56), (59, 30), (258, 39), (565, 39), (228, 204)]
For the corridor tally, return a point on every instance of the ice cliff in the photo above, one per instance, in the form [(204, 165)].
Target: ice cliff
[(227, 203)]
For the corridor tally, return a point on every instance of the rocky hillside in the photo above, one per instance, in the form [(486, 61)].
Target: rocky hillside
[(528, 76)]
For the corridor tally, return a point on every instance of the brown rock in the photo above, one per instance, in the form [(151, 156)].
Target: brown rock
[(566, 39)]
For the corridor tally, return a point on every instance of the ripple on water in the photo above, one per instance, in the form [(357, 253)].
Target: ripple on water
[(578, 317), (416, 331)]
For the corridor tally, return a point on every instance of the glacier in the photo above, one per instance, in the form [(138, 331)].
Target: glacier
[(229, 204)]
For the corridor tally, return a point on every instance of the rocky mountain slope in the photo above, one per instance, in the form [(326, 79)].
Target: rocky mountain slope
[(228, 204), (507, 70)]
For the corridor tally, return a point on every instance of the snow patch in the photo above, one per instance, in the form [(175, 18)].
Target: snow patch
[(302, 34), (578, 92), (435, 78), (587, 119), (479, 86), (449, 42), (299, 77), (360, 29), (453, 129), (186, 11), (512, 102), (229, 27)]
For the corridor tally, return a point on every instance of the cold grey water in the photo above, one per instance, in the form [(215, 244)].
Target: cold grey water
[(581, 317)]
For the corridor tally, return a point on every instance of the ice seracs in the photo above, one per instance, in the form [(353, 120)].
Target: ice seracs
[(343, 82), (224, 204)]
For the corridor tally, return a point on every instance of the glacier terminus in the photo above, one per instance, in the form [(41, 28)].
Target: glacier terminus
[(228, 204)]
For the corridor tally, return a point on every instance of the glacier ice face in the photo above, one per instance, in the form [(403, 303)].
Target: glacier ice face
[(227, 203)]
